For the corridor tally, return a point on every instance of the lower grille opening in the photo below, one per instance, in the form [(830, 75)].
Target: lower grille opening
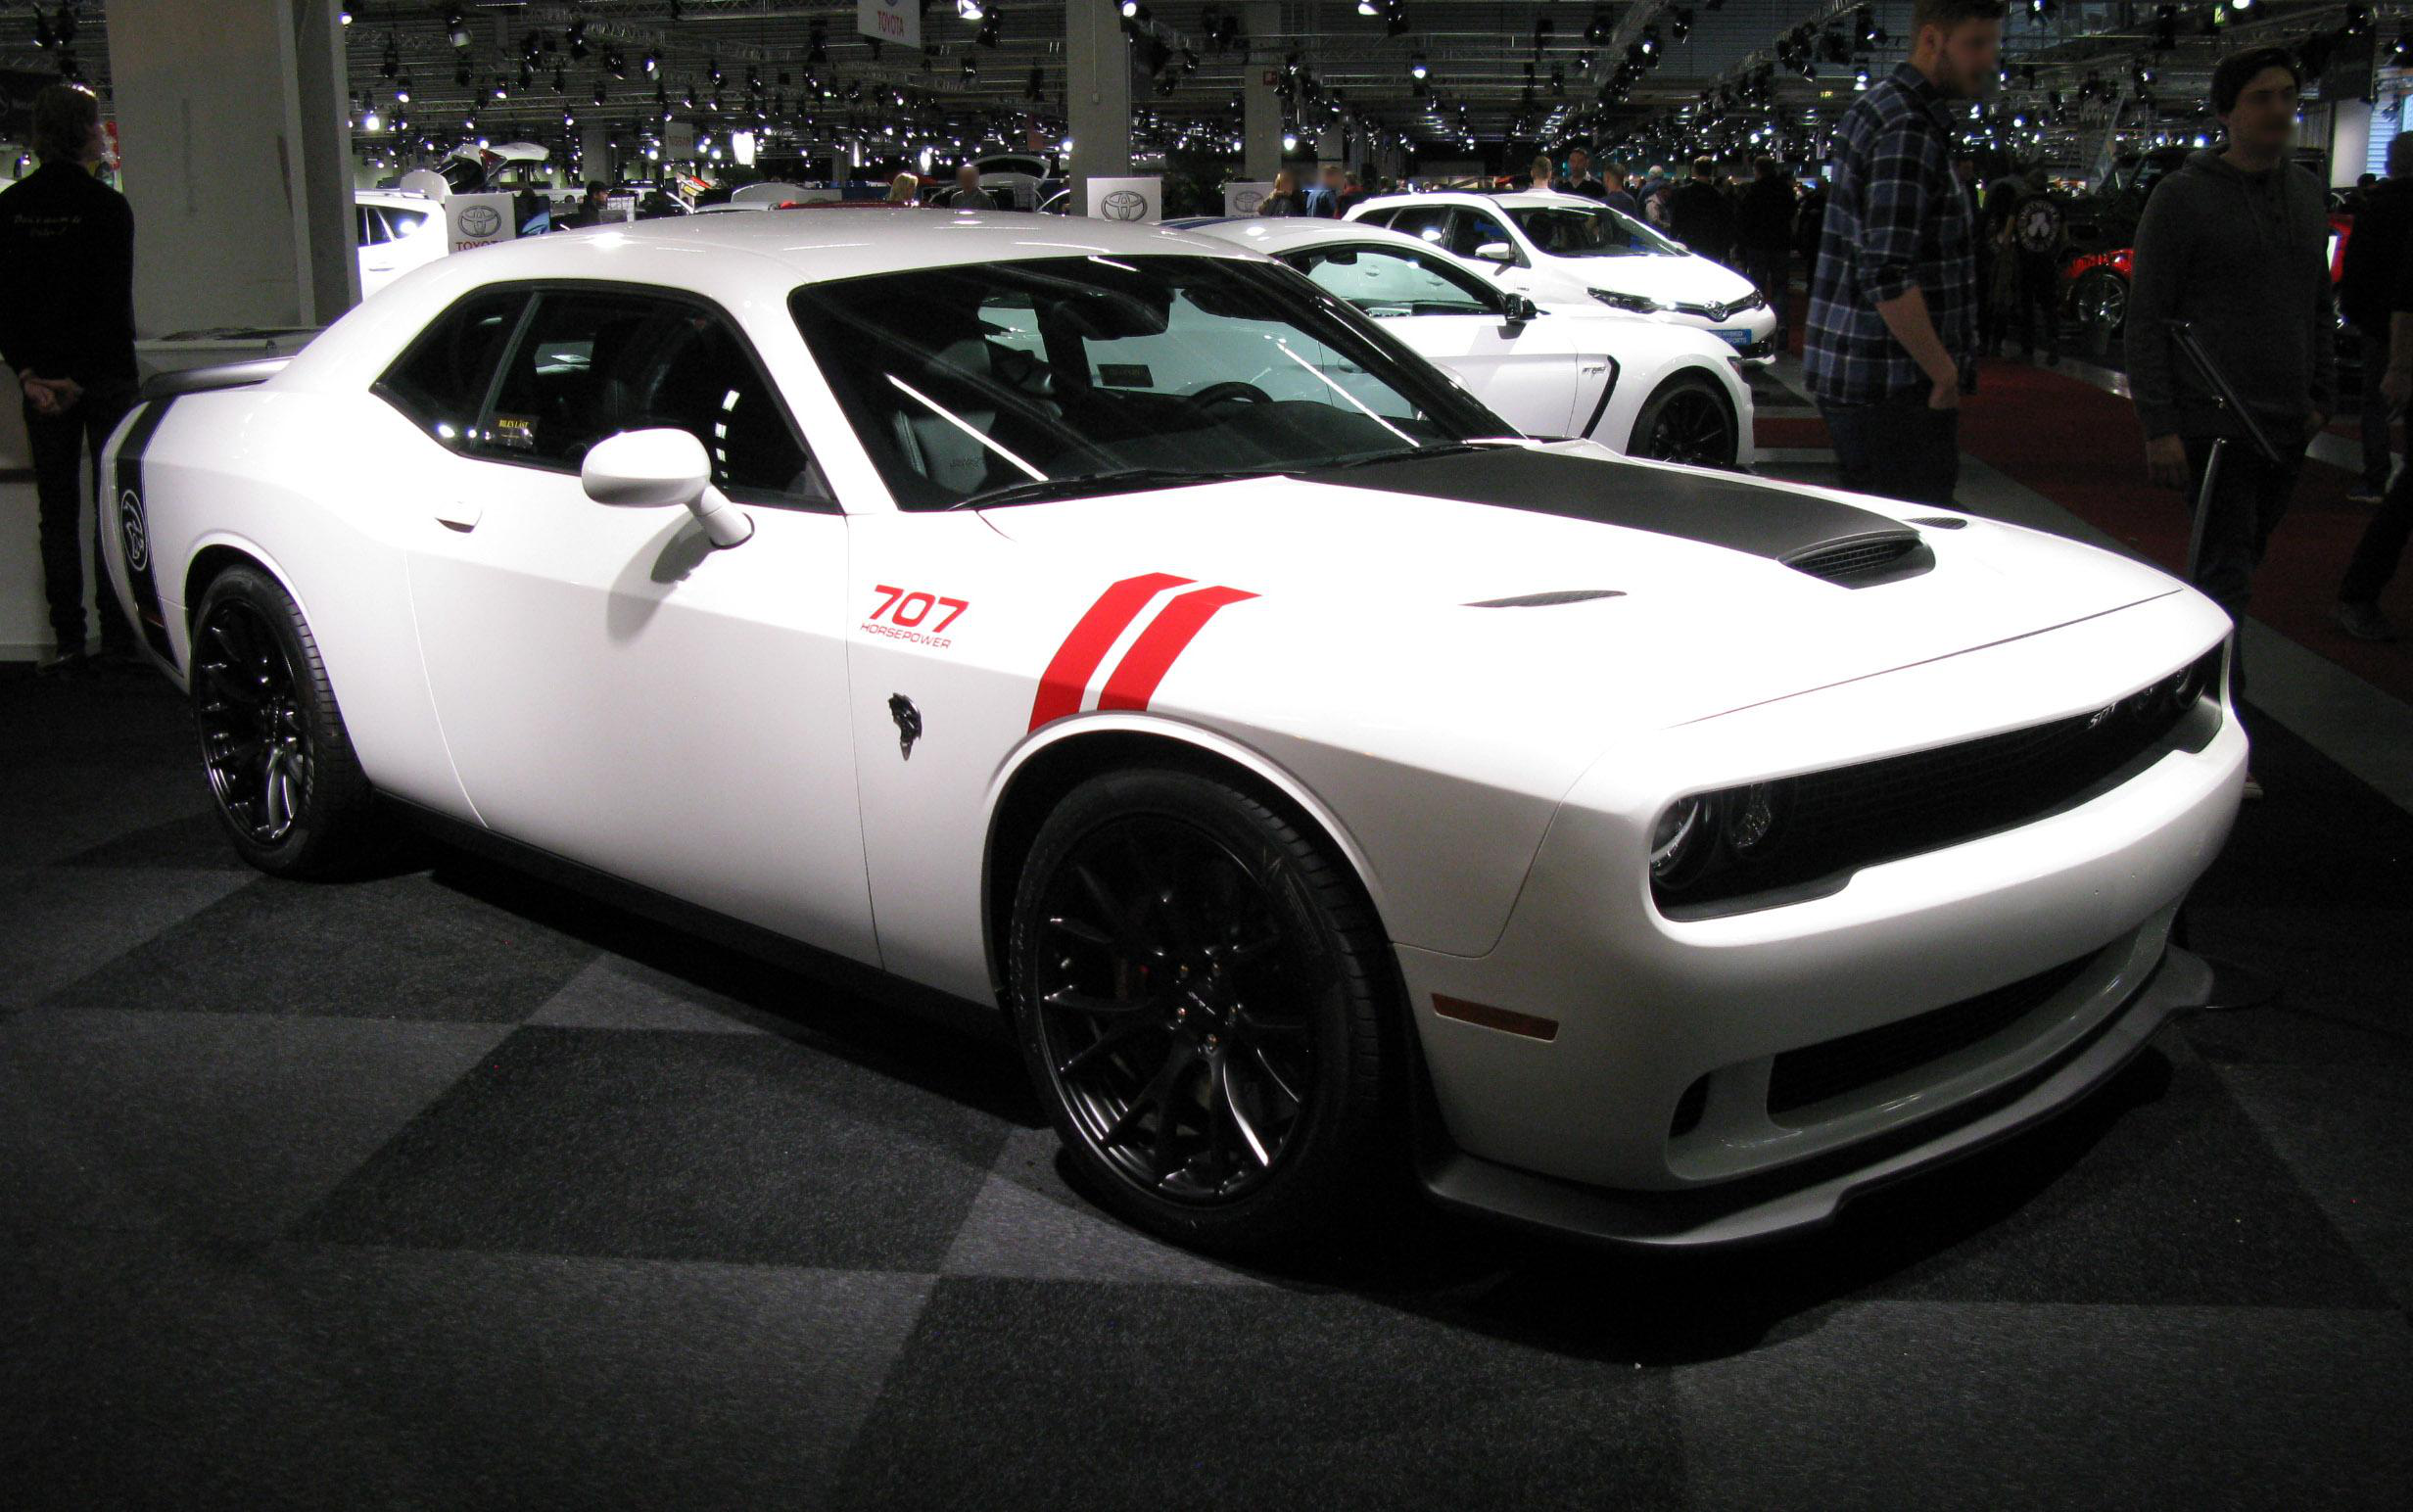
[(1816, 1074), (1689, 1107)]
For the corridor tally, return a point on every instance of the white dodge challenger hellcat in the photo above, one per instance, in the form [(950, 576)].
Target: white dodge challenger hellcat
[(1108, 627)]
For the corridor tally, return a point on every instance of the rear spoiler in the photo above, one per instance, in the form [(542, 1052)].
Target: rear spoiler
[(202, 380)]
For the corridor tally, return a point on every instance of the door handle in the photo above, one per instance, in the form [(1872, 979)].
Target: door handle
[(460, 513)]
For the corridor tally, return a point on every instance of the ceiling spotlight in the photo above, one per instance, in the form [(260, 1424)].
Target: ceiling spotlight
[(1130, 8), (401, 92), (456, 30), (969, 10), (1417, 67)]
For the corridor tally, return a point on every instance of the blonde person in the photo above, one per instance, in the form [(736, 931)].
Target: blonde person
[(905, 189)]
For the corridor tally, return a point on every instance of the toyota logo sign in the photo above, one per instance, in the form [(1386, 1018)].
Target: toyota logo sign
[(1124, 205), (479, 220)]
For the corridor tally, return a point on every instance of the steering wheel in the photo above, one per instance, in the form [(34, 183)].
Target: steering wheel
[(1231, 389)]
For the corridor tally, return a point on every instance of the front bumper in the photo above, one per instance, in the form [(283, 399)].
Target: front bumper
[(1800, 1199), (1692, 1066)]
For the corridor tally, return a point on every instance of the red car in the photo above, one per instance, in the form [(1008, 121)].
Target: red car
[(2095, 287)]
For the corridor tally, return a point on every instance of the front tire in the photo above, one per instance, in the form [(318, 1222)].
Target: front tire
[(2100, 298), (1202, 997), (280, 766), (1686, 420)]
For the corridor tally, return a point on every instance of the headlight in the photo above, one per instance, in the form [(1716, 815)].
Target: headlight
[(1680, 841), (1640, 303), (1704, 831), (1751, 301)]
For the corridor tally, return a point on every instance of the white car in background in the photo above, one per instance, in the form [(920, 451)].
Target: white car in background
[(398, 231), (1100, 629), (1556, 247), (1639, 387)]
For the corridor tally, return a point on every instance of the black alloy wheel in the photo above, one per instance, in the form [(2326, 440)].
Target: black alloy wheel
[(274, 747), (1199, 994), (1686, 421), (254, 744)]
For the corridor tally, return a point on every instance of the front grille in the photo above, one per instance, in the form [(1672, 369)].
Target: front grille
[(1824, 825), (1818, 1073), (1863, 558)]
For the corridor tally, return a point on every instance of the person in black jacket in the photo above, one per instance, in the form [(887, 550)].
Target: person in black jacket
[(1701, 216), (66, 331), (1765, 225), (2375, 255), (967, 193)]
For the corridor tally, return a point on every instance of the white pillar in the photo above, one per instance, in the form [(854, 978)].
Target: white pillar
[(1097, 94), (2349, 142), (236, 129), (1260, 108)]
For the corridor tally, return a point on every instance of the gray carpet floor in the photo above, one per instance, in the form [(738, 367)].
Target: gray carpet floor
[(449, 1189)]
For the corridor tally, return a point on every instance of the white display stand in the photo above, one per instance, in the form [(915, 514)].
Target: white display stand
[(478, 220), (1140, 201), (1246, 198)]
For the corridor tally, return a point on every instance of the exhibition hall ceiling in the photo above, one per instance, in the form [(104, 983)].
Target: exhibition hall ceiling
[(1734, 76)]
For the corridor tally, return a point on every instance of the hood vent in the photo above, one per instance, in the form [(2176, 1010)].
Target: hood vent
[(1863, 561), (1564, 595)]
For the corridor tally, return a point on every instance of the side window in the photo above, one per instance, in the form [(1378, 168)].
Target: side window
[(441, 380), (1383, 281), (371, 225), (570, 380), (1431, 222), (1479, 228), (406, 223), (701, 379), (592, 365)]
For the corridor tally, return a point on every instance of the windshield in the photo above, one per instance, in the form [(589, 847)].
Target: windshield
[(977, 380), (1588, 231)]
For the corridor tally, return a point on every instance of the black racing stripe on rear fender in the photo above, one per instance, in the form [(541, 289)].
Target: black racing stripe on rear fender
[(130, 518), (1774, 523)]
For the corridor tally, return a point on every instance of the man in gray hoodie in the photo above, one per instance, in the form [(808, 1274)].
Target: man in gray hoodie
[(2236, 243)]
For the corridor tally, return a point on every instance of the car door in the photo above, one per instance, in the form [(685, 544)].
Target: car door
[(1524, 371), (614, 690)]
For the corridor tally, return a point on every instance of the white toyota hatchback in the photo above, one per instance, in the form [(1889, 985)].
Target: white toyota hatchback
[(1562, 246), (1110, 632)]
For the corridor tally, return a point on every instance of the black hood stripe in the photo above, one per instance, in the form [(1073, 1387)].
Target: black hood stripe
[(124, 509), (1773, 523)]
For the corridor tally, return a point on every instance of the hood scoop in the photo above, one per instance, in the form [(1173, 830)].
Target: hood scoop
[(1863, 561), (1564, 595)]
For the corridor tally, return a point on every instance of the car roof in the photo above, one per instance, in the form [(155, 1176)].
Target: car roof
[(818, 248), (1523, 199), (1276, 234)]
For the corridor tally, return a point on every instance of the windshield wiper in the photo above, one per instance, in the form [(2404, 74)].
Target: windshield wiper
[(1079, 484), (1403, 453)]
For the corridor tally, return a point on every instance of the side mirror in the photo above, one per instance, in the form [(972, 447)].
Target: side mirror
[(1520, 309), (656, 469), (1496, 252)]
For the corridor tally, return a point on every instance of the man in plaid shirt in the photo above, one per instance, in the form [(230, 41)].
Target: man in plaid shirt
[(1893, 306)]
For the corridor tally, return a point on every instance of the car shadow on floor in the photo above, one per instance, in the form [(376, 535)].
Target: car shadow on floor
[(1566, 1297)]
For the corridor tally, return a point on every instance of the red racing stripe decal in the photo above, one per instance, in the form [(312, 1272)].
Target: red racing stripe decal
[(1076, 660), (1135, 677)]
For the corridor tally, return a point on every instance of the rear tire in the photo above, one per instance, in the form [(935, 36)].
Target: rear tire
[(1204, 1002), (1688, 420), (287, 785)]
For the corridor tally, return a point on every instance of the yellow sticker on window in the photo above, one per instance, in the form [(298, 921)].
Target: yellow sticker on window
[(518, 431)]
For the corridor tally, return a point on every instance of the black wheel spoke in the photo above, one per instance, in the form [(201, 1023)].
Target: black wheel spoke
[(1085, 1003), (1123, 1032), (1274, 1077), (1082, 931), (1233, 1116)]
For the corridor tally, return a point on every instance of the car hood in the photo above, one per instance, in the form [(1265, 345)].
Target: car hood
[(1382, 585), (1691, 279)]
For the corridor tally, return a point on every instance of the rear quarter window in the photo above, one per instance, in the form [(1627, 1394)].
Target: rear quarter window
[(441, 379)]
